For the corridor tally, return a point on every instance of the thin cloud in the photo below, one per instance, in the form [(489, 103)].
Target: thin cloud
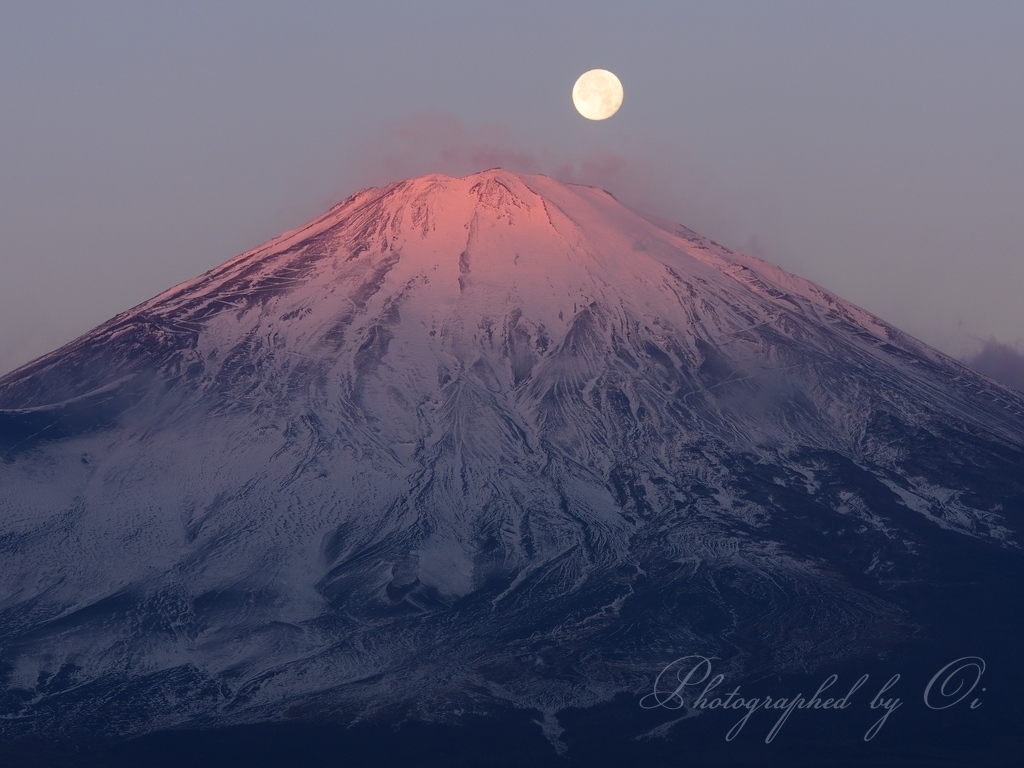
[(1001, 362), (435, 142)]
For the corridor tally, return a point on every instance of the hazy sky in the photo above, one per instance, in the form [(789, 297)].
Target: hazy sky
[(875, 148)]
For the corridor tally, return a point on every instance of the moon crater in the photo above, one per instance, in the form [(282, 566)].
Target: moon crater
[(597, 94)]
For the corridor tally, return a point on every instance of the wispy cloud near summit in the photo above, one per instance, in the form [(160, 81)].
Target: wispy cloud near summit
[(436, 142)]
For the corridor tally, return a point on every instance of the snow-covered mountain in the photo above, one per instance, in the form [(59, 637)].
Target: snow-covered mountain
[(465, 444)]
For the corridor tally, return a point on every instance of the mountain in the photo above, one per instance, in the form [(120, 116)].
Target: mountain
[(471, 446)]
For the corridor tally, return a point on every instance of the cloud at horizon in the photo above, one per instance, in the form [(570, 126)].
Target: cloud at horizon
[(1001, 362)]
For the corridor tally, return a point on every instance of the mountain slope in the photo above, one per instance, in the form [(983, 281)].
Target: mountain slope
[(461, 444)]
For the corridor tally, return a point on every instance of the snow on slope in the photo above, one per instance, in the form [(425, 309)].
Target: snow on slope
[(433, 444)]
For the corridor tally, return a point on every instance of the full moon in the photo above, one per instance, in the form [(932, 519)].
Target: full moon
[(597, 94)]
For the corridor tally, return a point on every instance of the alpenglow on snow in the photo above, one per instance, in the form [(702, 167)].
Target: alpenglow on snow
[(465, 444)]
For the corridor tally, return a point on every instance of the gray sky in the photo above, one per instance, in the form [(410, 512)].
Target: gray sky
[(876, 148)]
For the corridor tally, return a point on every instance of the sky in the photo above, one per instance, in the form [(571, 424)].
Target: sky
[(876, 148)]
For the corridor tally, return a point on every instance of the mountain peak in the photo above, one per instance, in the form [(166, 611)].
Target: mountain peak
[(452, 255)]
